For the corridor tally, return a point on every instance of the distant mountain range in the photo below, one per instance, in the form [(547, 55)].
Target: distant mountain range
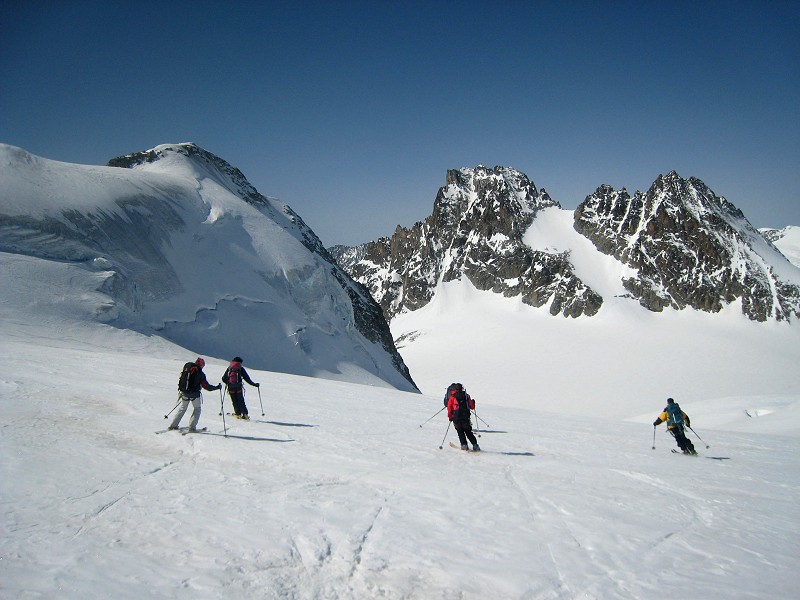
[(179, 244), (678, 246)]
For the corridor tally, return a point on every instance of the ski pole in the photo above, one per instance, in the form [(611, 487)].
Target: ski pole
[(221, 404), (699, 438), (484, 422), (654, 437), (435, 415), (477, 427), (173, 408), (445, 434), (222, 410), (259, 400)]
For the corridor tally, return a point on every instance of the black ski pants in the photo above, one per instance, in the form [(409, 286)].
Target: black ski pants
[(680, 438), (237, 398), (464, 431)]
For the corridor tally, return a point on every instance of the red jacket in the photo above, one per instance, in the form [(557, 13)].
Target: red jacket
[(452, 404)]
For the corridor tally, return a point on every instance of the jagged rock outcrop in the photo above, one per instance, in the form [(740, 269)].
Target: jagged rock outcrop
[(475, 231), (690, 247)]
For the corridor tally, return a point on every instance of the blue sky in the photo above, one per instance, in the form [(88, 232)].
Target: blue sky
[(352, 112)]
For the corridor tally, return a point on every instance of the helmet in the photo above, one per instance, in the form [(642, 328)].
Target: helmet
[(200, 362), (670, 401), (237, 359)]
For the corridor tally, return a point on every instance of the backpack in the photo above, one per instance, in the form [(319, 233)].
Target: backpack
[(461, 410), (450, 388), (234, 379), (185, 380), (675, 414)]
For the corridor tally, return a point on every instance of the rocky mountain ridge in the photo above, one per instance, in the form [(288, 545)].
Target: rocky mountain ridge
[(688, 247), (475, 231)]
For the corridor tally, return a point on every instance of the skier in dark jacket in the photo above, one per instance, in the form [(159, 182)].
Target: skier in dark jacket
[(458, 411), (233, 377), (675, 419), (191, 393)]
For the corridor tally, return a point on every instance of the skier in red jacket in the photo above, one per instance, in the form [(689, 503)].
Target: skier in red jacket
[(459, 405)]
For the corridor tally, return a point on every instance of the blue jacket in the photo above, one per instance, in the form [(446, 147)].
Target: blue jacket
[(673, 415)]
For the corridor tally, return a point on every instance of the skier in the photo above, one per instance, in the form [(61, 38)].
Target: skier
[(675, 419), (192, 379), (233, 377), (458, 406)]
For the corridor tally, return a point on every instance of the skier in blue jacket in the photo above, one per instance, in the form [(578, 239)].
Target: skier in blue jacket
[(675, 419)]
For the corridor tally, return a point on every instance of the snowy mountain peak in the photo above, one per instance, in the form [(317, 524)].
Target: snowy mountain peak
[(678, 245), (180, 244), (692, 193), (474, 232), (200, 163), (499, 189), (690, 248)]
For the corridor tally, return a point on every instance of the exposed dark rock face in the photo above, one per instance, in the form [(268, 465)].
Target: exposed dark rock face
[(475, 231), (688, 246), (691, 248)]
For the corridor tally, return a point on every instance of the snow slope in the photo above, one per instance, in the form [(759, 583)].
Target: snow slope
[(787, 240), (341, 491), (183, 247), (619, 362)]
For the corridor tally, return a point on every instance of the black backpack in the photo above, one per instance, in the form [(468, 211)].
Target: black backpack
[(462, 412), (450, 388), (185, 380)]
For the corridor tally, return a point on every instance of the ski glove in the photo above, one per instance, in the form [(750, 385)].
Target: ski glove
[(219, 387), (656, 422), (258, 385), (688, 423)]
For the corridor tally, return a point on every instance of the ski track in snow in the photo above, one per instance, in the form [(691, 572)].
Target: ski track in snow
[(338, 492)]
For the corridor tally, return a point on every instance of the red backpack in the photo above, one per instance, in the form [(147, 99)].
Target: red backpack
[(234, 379)]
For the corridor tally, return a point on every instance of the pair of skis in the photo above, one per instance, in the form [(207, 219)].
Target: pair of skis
[(457, 447), (182, 430)]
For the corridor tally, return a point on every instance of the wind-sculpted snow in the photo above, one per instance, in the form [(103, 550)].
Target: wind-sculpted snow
[(191, 251), (690, 248)]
